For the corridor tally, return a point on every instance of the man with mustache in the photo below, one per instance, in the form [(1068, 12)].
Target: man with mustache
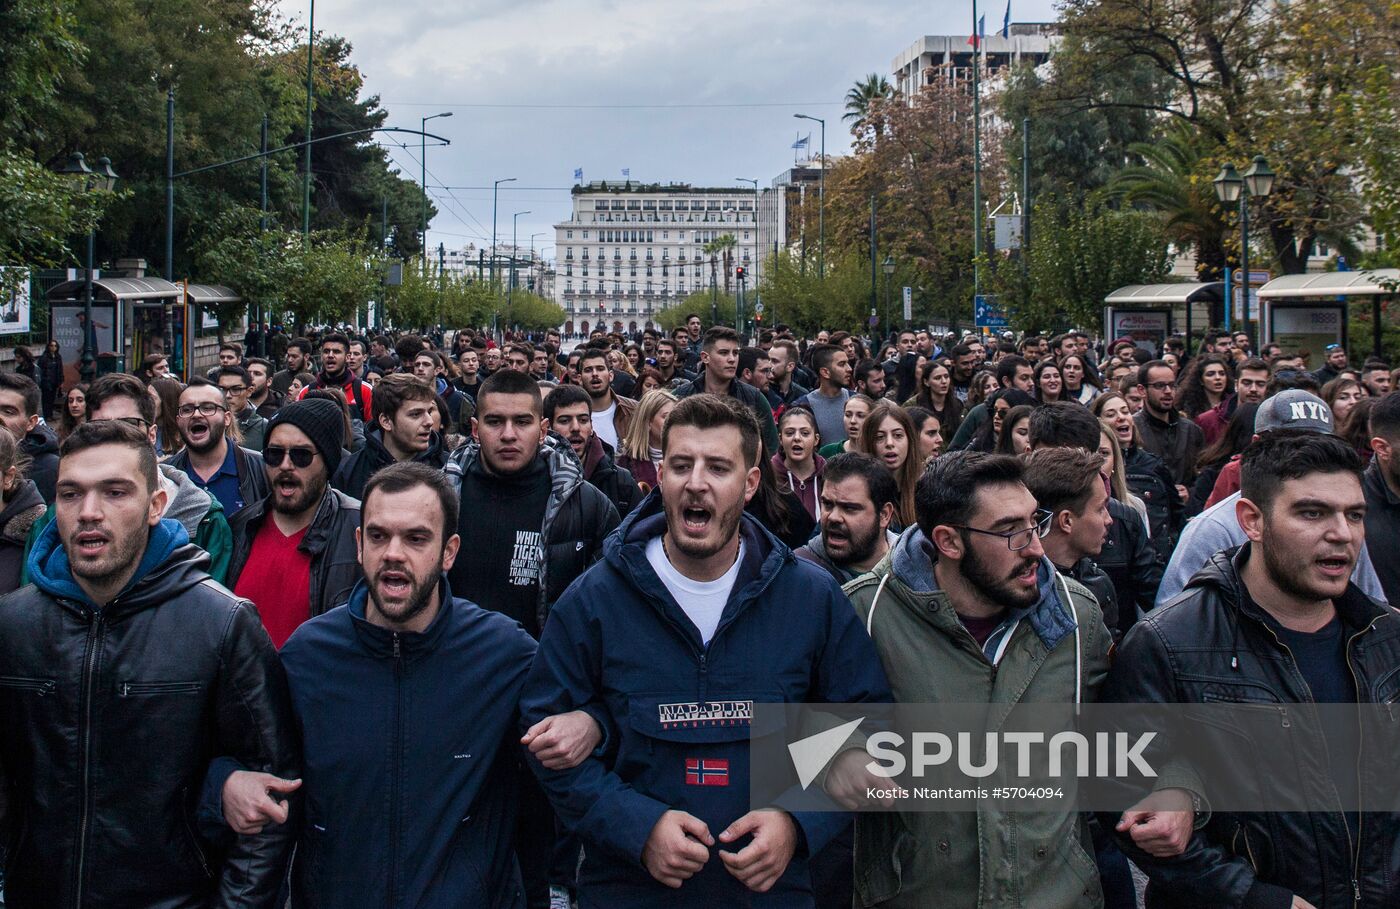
[(1279, 621), (294, 549), (568, 412), (611, 412), (694, 612), (966, 608), (210, 457), (335, 373), (126, 671), (858, 501)]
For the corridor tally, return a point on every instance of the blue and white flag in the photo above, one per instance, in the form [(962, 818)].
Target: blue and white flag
[(627, 171), (1006, 21), (578, 174), (802, 141)]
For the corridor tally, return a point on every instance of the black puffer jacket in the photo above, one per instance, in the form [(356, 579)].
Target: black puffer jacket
[(41, 444), (617, 483), (1149, 479), (111, 719), (330, 540), (1211, 643), (1131, 563)]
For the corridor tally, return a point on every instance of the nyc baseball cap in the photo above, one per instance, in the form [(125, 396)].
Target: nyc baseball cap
[(1294, 409)]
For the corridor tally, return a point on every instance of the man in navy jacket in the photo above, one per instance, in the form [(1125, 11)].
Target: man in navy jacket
[(694, 612), (406, 700)]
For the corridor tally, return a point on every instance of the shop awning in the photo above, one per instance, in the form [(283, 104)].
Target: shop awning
[(212, 294), (1166, 294), (108, 290), (1378, 282)]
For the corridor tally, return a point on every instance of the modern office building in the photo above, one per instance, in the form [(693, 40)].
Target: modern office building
[(950, 56)]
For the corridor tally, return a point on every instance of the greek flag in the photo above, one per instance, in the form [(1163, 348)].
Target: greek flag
[(802, 141), (578, 173), (627, 171), (1006, 21)]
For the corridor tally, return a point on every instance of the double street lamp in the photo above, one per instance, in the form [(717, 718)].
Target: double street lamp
[(514, 222), (423, 173), (495, 187), (85, 179), (1230, 188)]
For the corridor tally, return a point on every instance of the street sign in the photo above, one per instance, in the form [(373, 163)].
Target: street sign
[(987, 312), (758, 308), (908, 303), (874, 320), (1006, 231)]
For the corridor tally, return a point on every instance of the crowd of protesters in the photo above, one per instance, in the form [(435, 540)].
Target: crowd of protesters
[(425, 620)]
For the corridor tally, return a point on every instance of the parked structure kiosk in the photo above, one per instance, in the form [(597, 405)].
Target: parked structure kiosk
[(122, 310), (1304, 313), (1146, 312)]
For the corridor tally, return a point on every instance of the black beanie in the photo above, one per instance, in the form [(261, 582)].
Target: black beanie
[(321, 420)]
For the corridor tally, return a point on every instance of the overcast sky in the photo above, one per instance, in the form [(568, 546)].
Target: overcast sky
[(698, 92)]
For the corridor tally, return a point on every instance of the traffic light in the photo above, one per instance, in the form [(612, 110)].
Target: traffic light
[(739, 272)]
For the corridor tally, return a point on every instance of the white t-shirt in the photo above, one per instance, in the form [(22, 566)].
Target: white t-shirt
[(703, 601), (603, 424)]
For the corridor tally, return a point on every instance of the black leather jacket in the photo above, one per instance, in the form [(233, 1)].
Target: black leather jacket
[(1149, 479), (330, 539), (111, 719), (1131, 563), (1211, 642)]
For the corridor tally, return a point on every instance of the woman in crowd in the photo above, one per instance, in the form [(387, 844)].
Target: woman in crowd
[(1128, 556), (20, 506), (649, 379), (984, 382), (1342, 394), (778, 508), (999, 404), (1206, 384), (1049, 383), (640, 449), (1080, 379), (797, 458), (299, 383), (50, 366), (166, 392), (1117, 480), (636, 359), (936, 396), (889, 436), (928, 431), (1015, 438), (857, 408), (1145, 473), (1356, 428), (74, 410), (906, 376), (1237, 435)]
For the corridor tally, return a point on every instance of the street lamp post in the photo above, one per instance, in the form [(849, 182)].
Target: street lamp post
[(1231, 187), (888, 268), (423, 173), (102, 180), (510, 292), (755, 222), (534, 279), (821, 200), (494, 187)]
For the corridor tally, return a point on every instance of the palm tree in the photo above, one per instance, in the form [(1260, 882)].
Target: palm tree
[(863, 94), (1168, 182), (723, 246)]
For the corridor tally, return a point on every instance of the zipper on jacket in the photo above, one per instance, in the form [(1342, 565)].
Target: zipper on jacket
[(1360, 744), (40, 687), (131, 689), (396, 793), (94, 641)]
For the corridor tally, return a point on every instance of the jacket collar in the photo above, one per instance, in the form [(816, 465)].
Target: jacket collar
[(168, 566), (379, 641), (1356, 610), (1375, 482)]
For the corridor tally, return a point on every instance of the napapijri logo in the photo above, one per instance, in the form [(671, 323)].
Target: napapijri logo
[(710, 713)]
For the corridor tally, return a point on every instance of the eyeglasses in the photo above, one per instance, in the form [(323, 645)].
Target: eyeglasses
[(1016, 540), (1159, 386), (207, 409), (273, 455), (234, 389)]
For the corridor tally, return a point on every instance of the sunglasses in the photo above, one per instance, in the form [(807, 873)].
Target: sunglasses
[(273, 455)]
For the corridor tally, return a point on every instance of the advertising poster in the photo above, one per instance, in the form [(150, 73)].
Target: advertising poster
[(1307, 330), (14, 303), (66, 327), (1147, 327)]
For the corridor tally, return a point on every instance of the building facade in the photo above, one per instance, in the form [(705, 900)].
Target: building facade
[(950, 56), (630, 250)]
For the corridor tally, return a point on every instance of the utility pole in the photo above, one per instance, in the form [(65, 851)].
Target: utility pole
[(873, 251), (1026, 210), (169, 183), (262, 227), (306, 178), (976, 154)]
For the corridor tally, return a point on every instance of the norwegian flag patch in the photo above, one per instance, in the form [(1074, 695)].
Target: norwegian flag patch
[(706, 772)]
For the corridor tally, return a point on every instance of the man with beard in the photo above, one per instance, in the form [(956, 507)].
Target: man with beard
[(1251, 383), (126, 671), (336, 374), (252, 428), (294, 549), (491, 362), (1164, 432), (858, 501), (828, 400), (1375, 375), (1279, 620), (668, 364), (298, 360), (20, 401), (870, 379), (210, 457), (966, 360), (612, 413), (389, 686), (530, 524), (756, 371), (568, 412), (691, 613), (262, 397), (404, 411), (785, 362), (967, 609)]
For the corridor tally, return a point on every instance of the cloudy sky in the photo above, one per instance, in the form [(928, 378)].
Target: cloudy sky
[(699, 92)]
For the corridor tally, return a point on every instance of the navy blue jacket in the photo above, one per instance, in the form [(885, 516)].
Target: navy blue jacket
[(411, 755), (619, 640)]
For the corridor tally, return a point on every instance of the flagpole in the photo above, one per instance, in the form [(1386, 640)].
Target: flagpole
[(976, 154)]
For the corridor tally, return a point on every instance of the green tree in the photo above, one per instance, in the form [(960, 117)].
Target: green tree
[(530, 312), (861, 96), (721, 247), (329, 279)]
